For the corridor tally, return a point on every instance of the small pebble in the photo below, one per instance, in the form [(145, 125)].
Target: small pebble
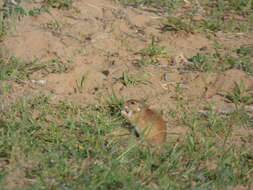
[(39, 81)]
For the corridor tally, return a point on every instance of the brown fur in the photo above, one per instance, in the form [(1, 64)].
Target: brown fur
[(147, 122)]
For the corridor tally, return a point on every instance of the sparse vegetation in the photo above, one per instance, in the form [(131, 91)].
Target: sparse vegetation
[(16, 69), (160, 4), (59, 4), (150, 55), (220, 61), (49, 140), (218, 15), (5, 89), (131, 79), (11, 13), (54, 65), (201, 62), (54, 26), (177, 24), (242, 61), (80, 84), (113, 104), (238, 95), (153, 50)]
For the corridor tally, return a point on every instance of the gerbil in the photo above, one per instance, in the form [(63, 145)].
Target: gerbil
[(147, 122)]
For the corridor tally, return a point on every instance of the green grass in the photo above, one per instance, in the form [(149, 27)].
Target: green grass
[(150, 55), (80, 84), (202, 62), (132, 79), (243, 59), (59, 4), (16, 69), (177, 24), (64, 145), (220, 15), (229, 16), (158, 4), (238, 95), (222, 59), (5, 89), (9, 15)]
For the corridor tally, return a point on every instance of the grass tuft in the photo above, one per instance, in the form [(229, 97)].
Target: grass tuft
[(16, 69), (59, 4)]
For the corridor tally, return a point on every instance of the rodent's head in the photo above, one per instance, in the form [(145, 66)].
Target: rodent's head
[(132, 107)]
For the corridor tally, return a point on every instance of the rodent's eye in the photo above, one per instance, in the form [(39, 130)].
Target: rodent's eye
[(132, 102)]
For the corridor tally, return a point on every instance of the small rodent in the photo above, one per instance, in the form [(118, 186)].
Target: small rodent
[(147, 122)]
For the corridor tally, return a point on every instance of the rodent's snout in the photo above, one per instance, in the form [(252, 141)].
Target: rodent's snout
[(122, 112), (126, 112)]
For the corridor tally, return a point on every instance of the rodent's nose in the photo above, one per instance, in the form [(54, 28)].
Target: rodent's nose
[(125, 111)]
